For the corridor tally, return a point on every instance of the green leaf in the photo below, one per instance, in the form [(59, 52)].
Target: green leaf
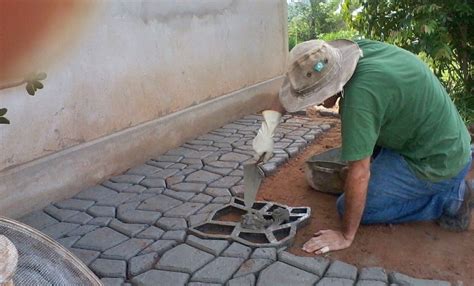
[(30, 89), (38, 84), (3, 111), (41, 76), (3, 120)]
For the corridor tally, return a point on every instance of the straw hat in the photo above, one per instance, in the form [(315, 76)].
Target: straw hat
[(316, 71)]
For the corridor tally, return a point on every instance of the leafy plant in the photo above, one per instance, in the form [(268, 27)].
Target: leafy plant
[(312, 19), (3, 120), (33, 83), (438, 31)]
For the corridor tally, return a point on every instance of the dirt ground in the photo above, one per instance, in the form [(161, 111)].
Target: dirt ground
[(421, 250)]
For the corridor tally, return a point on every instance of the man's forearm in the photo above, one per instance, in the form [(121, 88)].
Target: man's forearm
[(355, 195)]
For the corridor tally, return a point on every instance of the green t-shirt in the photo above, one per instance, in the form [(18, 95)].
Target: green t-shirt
[(393, 100)]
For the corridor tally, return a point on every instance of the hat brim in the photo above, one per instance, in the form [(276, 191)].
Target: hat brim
[(350, 54)]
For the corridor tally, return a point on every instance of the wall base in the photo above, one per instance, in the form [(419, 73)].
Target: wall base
[(32, 186)]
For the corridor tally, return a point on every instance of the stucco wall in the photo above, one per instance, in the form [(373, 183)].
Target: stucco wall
[(135, 62)]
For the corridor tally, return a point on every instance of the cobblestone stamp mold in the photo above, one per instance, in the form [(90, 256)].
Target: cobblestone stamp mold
[(226, 223)]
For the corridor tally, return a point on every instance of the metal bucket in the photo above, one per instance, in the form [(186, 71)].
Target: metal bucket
[(324, 172)]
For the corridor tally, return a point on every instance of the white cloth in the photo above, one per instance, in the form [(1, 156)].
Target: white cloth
[(263, 141)]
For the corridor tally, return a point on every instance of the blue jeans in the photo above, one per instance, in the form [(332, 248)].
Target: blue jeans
[(396, 195)]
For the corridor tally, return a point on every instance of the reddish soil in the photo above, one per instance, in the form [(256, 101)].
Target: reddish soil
[(421, 250)]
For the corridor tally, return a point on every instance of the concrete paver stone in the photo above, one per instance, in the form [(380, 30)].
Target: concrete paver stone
[(79, 218), (59, 214), (139, 264), (154, 183), (163, 174), (172, 223), (403, 279), (168, 158), (197, 219), (115, 200), (266, 253), (101, 239), (188, 187), (86, 256), (130, 179), (173, 180), (82, 230), (74, 204), (109, 268), (252, 265), (96, 193), (184, 258), (201, 198), (339, 269), (202, 176), (68, 241), (135, 189), (182, 196), (219, 171), (315, 265), (280, 273), (370, 283), (226, 182), (332, 281), (161, 278), (38, 220), (373, 273), (248, 280), (213, 246), (60, 229), (209, 208), (160, 203), (127, 249), (222, 200), (151, 233), (218, 271), (138, 216), (218, 192), (97, 211), (160, 247), (237, 250), (119, 187), (202, 284), (223, 164), (128, 229), (234, 157), (112, 281), (178, 235), (144, 170), (100, 221), (144, 196), (155, 191), (184, 210)]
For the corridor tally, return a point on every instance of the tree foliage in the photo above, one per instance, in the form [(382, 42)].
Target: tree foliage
[(315, 19), (438, 31)]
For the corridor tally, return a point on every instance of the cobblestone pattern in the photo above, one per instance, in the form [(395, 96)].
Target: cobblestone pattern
[(132, 228)]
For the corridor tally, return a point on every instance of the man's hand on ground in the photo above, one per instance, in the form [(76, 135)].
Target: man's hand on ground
[(325, 241)]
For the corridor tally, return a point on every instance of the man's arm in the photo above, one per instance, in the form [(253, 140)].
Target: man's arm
[(355, 191)]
